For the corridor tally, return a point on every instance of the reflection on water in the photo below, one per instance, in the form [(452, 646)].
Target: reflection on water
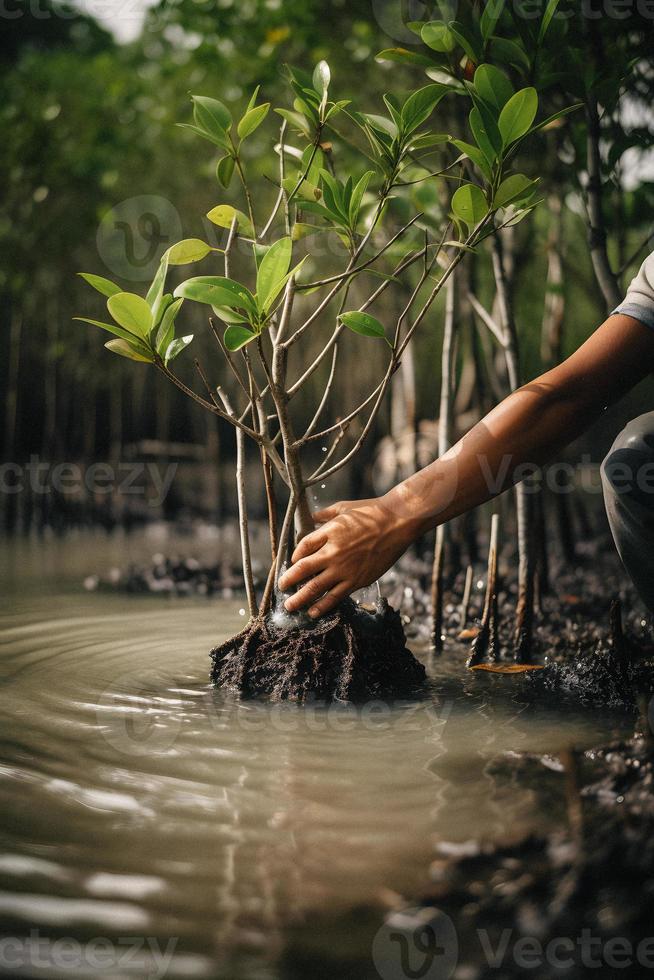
[(136, 804)]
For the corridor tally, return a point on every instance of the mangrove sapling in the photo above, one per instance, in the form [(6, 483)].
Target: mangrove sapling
[(259, 330)]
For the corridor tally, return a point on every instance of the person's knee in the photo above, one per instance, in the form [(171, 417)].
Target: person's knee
[(628, 469)]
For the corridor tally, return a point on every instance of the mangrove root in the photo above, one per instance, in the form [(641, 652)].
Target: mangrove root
[(347, 655)]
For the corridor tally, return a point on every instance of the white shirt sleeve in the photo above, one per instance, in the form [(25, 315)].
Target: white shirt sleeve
[(639, 301)]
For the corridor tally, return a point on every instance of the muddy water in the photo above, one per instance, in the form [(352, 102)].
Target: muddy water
[(161, 828)]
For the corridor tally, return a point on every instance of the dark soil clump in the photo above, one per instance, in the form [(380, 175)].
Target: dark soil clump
[(350, 655)]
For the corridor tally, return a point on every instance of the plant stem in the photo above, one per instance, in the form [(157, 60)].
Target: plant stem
[(524, 609), (606, 279), (444, 442), (243, 522)]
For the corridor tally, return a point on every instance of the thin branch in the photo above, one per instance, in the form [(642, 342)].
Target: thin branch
[(228, 357), (339, 327), (209, 406), (231, 239), (342, 422), (323, 401), (281, 196), (486, 317), (360, 268)]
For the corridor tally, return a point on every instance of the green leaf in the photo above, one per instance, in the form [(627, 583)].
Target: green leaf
[(357, 196), (116, 331), (511, 189), (509, 53), (104, 286), (322, 77), (471, 44), (470, 205), (419, 106), (126, 349), (493, 86), (212, 115), (217, 291), (306, 191), (252, 120), (477, 156), (272, 272), (555, 117), (332, 193), (156, 290), (518, 114), (486, 134), (237, 337), (404, 57), (460, 245), (166, 331), (492, 13), (187, 251), (223, 143), (548, 16), (225, 170), (176, 347), (131, 312), (437, 35), (224, 214), (296, 120), (302, 230), (363, 323), (424, 140)]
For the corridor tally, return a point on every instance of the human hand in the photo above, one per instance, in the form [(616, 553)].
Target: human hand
[(356, 543)]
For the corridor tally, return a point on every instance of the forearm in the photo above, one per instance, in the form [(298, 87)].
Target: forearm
[(524, 431)]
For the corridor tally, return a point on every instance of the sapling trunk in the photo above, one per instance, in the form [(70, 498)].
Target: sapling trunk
[(606, 278), (444, 442), (525, 603), (487, 641), (465, 599)]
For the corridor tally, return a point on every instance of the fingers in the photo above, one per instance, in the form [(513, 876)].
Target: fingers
[(329, 600), (301, 570), (308, 545), (310, 592)]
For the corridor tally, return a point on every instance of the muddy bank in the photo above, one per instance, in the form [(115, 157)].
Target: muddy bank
[(569, 904)]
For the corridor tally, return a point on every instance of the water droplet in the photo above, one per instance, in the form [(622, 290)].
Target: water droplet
[(480, 583), (322, 486), (324, 448), (241, 612)]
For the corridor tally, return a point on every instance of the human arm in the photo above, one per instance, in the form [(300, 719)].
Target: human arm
[(358, 542)]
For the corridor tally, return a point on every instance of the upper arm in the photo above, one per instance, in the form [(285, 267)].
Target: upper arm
[(618, 355)]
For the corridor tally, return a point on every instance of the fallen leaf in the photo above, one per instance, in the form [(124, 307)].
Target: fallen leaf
[(469, 634), (507, 668)]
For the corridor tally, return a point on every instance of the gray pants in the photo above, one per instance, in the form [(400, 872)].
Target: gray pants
[(628, 481)]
